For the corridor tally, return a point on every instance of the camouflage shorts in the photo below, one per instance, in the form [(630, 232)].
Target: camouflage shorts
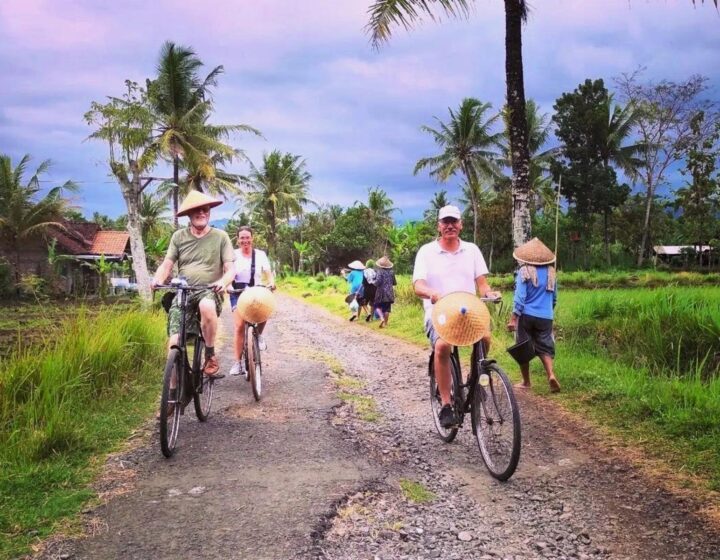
[(192, 315)]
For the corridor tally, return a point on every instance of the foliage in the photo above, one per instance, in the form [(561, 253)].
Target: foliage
[(405, 241), (666, 110), (278, 191), (64, 403), (468, 147), (24, 213), (699, 200)]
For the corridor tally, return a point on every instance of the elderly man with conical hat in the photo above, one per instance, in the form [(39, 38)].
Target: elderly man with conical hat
[(443, 266), (204, 256), (533, 306)]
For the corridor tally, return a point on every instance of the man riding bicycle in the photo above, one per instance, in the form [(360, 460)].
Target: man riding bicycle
[(252, 268), (447, 265), (203, 255)]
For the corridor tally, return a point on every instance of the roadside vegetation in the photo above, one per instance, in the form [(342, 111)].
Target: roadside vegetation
[(65, 402), (644, 364)]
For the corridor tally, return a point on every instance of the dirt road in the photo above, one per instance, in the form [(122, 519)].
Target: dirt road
[(300, 475)]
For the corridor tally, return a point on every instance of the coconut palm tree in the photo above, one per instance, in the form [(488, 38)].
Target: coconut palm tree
[(542, 193), (380, 207), (438, 200), (181, 103), (469, 147), (386, 13), (278, 191), (24, 214)]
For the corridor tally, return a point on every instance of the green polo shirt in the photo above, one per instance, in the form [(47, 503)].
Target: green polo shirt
[(200, 260)]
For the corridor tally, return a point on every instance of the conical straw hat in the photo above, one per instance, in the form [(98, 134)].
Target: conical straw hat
[(534, 252), (196, 199), (460, 318), (384, 262), (256, 304), (356, 265)]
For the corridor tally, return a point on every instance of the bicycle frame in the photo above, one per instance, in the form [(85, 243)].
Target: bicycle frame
[(192, 372)]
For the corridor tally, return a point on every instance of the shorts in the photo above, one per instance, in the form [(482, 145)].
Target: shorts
[(192, 316), (540, 331), (431, 334), (385, 307)]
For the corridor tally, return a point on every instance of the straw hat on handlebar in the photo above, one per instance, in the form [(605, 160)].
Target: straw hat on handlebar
[(196, 199), (461, 318), (256, 304)]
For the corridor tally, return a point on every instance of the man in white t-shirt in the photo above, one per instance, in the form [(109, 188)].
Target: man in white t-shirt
[(252, 268), (447, 265)]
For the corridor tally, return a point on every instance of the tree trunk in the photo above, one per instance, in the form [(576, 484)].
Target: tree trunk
[(606, 238), (176, 189), (131, 191), (646, 222), (517, 123)]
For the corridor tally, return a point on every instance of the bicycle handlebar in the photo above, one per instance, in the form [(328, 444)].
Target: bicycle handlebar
[(231, 290), (180, 286), (491, 300)]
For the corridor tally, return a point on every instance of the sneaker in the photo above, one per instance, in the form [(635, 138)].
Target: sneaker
[(212, 368), (448, 419), (236, 369), (261, 343)]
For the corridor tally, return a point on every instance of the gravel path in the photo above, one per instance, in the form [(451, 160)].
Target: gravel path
[(302, 475)]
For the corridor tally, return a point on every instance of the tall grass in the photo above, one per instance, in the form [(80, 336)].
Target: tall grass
[(668, 330), (64, 402)]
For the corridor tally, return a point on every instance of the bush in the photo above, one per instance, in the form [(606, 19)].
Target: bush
[(6, 283)]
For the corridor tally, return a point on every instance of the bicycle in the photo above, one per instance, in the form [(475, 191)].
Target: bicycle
[(489, 399), (251, 354), (183, 382)]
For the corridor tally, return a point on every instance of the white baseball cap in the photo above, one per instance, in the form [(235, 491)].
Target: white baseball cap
[(449, 211)]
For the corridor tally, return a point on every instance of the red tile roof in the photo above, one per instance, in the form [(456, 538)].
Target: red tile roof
[(86, 238), (76, 237), (110, 243)]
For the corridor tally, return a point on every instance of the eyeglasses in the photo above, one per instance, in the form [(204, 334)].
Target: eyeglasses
[(449, 221)]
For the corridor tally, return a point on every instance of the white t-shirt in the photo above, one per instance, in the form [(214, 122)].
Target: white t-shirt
[(243, 264), (448, 272)]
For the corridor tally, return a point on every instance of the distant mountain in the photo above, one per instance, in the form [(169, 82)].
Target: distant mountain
[(220, 224)]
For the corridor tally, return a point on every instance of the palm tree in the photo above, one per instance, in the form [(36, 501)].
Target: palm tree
[(22, 216), (181, 103), (380, 207), (153, 209), (538, 124), (386, 13), (278, 191), (468, 146), (438, 200)]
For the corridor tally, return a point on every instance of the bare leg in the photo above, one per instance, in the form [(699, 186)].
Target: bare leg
[(239, 338), (386, 316), (208, 321), (442, 370), (547, 361), (525, 370)]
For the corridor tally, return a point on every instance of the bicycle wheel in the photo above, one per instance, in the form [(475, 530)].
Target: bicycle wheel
[(446, 434), (203, 385), (170, 402), (496, 422), (254, 363)]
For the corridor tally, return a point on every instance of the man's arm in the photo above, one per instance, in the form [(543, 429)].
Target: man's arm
[(484, 289), (227, 277), (163, 272), (426, 292)]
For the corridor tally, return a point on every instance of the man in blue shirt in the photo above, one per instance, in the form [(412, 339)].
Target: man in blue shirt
[(533, 306)]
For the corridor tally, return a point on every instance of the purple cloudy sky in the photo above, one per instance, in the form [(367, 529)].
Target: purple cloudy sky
[(303, 72)]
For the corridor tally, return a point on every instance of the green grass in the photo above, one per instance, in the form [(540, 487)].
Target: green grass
[(641, 363), (64, 404), (415, 492)]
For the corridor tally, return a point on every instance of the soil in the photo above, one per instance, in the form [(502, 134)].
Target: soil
[(301, 475)]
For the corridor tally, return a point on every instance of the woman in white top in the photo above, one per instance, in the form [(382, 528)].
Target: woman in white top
[(263, 276)]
